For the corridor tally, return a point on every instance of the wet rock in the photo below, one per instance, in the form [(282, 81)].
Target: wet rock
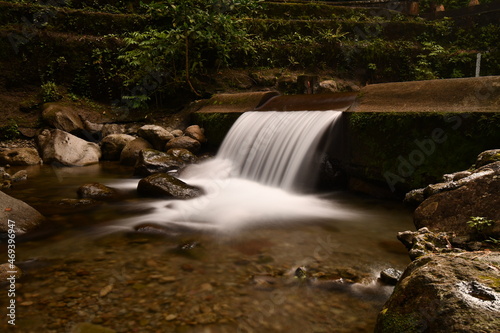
[(152, 161), (473, 196), (75, 203), (20, 176), (24, 217), (487, 157), (131, 151), (390, 276), (6, 272), (165, 185), (112, 146), (61, 147), (183, 154), (96, 191), (156, 135), (195, 132), (152, 228), (445, 293), (90, 328), (20, 156), (184, 142), (63, 118)]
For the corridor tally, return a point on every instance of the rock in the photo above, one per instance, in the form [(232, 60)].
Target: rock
[(20, 156), (487, 157), (131, 151), (183, 154), (24, 217), (184, 142), (63, 118), (6, 272), (112, 146), (327, 86), (472, 196), (415, 197), (177, 133), (96, 191), (453, 177), (75, 203), (423, 242), (20, 176), (153, 161), (165, 185), (61, 147), (390, 276), (156, 135), (195, 132), (109, 129), (445, 293), (90, 328), (93, 127)]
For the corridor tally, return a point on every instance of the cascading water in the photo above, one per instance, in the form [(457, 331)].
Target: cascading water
[(255, 176), (277, 148)]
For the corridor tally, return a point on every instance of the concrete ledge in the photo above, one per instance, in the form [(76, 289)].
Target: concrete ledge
[(447, 95), (236, 103)]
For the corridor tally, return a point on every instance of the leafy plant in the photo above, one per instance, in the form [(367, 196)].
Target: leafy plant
[(479, 223), (9, 131), (197, 33), (50, 92)]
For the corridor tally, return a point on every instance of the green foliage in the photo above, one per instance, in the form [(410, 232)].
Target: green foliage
[(479, 223), (197, 34), (49, 92), (9, 131)]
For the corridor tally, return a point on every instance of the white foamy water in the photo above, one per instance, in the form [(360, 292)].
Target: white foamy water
[(252, 179)]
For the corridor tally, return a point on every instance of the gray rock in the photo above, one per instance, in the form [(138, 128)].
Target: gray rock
[(152, 161), (165, 185), (390, 276), (445, 293), (184, 142), (63, 118), (109, 129), (452, 177), (131, 151), (415, 197), (112, 146), (195, 132), (20, 156), (24, 216), (487, 157), (156, 135), (96, 191), (61, 147)]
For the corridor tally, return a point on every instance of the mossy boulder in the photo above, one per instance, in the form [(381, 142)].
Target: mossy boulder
[(152, 161), (445, 293), (165, 185)]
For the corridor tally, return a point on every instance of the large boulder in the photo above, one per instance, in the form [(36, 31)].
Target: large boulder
[(63, 118), (20, 156), (444, 293), (24, 217), (156, 135), (112, 146), (456, 203), (183, 154), (165, 185), (61, 147), (130, 152), (184, 142), (154, 161), (487, 157), (195, 132)]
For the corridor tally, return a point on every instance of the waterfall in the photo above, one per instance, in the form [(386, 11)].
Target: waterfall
[(277, 148)]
